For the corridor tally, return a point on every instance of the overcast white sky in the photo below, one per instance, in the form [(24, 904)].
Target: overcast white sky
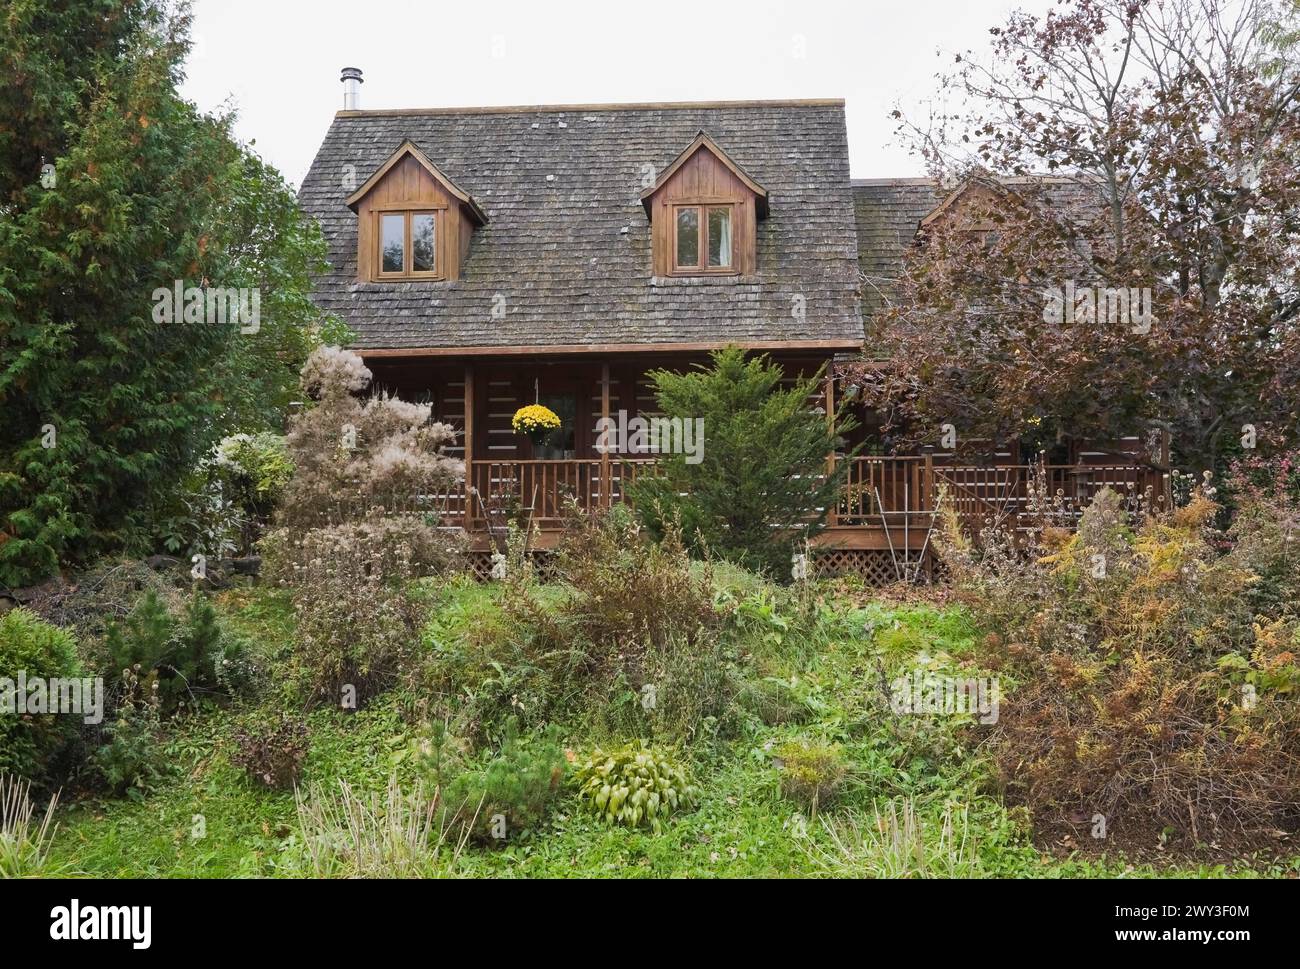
[(278, 61)]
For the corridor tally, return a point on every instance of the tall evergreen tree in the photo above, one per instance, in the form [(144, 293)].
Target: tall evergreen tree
[(756, 488), (105, 407)]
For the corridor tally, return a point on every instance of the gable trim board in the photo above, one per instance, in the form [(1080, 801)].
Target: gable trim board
[(407, 148), (703, 142)]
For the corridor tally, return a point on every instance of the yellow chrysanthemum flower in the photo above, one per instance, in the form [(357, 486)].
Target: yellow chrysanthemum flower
[(534, 419)]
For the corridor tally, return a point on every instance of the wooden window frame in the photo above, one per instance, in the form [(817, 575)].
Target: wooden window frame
[(702, 268), (408, 253)]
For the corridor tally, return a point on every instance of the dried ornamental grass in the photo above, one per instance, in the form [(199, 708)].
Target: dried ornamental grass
[(24, 848), (346, 834)]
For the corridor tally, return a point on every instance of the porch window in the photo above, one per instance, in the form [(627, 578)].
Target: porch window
[(703, 238), (408, 244)]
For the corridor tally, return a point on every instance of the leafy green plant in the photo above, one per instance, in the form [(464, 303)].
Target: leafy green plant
[(635, 786), (758, 614), (688, 693), (29, 745), (628, 617), (630, 591), (226, 503), (133, 761), (255, 468), (811, 773)]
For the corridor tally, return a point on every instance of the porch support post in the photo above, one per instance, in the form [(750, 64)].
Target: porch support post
[(828, 399), (928, 495), (606, 489), (470, 502)]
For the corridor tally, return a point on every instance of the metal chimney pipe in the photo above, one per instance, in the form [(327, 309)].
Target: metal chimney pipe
[(352, 81)]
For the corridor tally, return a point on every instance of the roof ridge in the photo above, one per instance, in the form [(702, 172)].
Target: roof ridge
[(903, 180), (1003, 180), (630, 106)]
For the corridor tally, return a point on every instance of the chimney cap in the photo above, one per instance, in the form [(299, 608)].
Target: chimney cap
[(352, 74)]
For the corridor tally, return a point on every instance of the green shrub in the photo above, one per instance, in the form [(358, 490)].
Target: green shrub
[(132, 402), (628, 618), (513, 792), (628, 591), (255, 468), (29, 745), (774, 701), (226, 503), (811, 773), (685, 691), (635, 785)]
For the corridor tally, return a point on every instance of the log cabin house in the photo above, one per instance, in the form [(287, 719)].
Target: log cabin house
[(495, 257)]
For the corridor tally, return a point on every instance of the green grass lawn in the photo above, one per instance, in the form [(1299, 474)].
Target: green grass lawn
[(209, 820)]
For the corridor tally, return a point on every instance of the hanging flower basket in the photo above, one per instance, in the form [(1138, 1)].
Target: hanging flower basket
[(535, 422)]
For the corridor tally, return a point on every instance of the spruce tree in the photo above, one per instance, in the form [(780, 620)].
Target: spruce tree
[(761, 488)]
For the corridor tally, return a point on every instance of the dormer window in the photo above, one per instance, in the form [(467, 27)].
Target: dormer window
[(408, 244), (703, 212), (413, 222), (704, 241)]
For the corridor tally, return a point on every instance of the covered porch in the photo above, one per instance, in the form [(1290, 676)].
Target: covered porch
[(880, 525)]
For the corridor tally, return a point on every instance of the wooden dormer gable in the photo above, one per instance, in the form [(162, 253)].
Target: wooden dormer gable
[(703, 212), (970, 207), (413, 221)]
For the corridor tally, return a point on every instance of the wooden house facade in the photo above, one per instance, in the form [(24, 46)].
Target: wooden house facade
[(490, 258)]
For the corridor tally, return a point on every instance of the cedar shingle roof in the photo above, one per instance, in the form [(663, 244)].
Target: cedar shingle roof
[(888, 212), (568, 242)]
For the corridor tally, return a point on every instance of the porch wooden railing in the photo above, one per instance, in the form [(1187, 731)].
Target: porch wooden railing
[(876, 484), (1001, 493), (876, 491), (541, 487)]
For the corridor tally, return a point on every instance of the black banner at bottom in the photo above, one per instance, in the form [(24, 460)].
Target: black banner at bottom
[(139, 919)]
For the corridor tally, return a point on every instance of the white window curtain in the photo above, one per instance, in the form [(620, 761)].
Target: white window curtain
[(724, 237)]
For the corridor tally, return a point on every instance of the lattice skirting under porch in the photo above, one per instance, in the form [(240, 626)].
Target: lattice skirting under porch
[(876, 566), (480, 563)]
